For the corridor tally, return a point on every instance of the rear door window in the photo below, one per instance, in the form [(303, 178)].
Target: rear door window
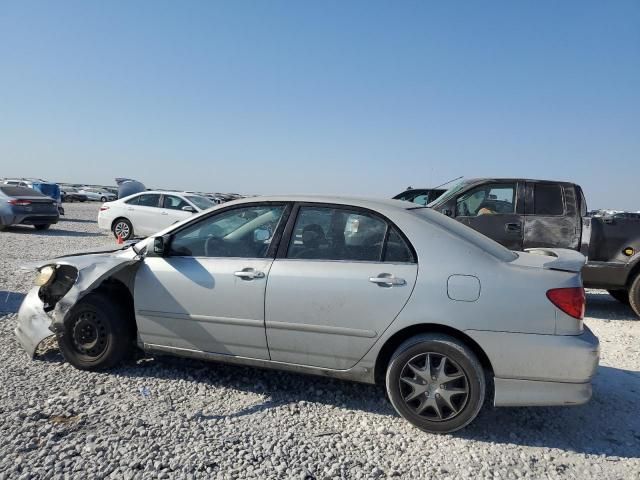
[(547, 199), (149, 200)]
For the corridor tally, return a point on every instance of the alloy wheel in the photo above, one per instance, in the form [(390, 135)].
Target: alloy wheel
[(434, 386)]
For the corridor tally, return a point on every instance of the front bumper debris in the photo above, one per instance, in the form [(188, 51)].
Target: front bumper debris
[(33, 323)]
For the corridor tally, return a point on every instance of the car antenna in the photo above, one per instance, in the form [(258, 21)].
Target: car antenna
[(452, 180)]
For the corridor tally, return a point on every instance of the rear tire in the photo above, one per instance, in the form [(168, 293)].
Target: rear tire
[(436, 383), (98, 333), (122, 228), (621, 295), (634, 295), (42, 226)]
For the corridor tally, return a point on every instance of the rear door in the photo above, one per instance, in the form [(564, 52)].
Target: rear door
[(145, 213), (496, 210), (341, 277), (551, 216)]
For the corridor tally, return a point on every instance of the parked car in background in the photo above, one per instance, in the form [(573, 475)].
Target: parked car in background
[(148, 212), (365, 290), (524, 213), (50, 189), (71, 194), (26, 206), (97, 195), (420, 196)]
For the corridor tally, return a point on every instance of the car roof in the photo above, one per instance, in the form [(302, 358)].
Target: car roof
[(470, 181), (364, 202)]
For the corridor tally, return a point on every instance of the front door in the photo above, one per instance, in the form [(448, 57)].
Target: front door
[(343, 278), (143, 211), (493, 210), (207, 294)]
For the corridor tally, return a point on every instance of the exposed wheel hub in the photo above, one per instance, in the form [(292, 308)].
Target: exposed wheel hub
[(89, 334)]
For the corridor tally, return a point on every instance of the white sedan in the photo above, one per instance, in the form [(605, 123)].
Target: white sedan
[(146, 213)]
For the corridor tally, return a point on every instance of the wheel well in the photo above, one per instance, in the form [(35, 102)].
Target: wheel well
[(117, 290), (635, 271), (397, 338)]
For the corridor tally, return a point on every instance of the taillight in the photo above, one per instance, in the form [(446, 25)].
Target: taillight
[(570, 300), (19, 203), (103, 208)]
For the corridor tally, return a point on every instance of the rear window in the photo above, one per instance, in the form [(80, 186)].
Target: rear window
[(467, 233), (20, 192), (547, 199)]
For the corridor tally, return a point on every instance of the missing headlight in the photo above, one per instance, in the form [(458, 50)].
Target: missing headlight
[(57, 287)]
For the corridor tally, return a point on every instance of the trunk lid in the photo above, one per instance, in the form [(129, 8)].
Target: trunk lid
[(561, 259)]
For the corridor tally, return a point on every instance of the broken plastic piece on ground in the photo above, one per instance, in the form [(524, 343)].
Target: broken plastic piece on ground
[(144, 391)]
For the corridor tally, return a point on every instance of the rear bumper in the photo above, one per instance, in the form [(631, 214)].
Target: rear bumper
[(532, 370), (104, 223), (510, 392), (30, 219)]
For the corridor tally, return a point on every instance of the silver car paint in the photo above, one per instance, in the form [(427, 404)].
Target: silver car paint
[(512, 309)]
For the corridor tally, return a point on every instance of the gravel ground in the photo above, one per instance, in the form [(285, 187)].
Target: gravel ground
[(175, 418)]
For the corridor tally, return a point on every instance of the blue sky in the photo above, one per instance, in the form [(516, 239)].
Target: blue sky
[(349, 97)]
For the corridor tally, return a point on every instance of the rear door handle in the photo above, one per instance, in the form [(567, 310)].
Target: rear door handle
[(513, 227), (248, 274), (387, 280)]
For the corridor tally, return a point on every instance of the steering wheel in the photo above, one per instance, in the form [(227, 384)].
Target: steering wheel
[(213, 244)]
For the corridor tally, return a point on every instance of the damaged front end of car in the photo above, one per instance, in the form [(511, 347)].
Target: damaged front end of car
[(59, 285)]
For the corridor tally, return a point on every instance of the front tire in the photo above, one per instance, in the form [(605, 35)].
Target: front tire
[(103, 199), (98, 334), (122, 228), (436, 383), (634, 295)]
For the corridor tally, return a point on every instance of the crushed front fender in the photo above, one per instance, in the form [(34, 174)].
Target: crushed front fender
[(34, 324)]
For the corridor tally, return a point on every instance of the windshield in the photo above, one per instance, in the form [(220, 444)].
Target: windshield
[(201, 202), (448, 194)]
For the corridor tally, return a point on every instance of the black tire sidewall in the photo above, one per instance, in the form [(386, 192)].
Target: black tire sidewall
[(456, 351), (119, 338), (634, 295)]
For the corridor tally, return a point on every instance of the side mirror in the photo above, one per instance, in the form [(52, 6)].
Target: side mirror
[(261, 235), (189, 208), (447, 212), (159, 245)]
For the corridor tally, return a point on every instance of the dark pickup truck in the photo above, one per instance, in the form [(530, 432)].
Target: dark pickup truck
[(521, 214)]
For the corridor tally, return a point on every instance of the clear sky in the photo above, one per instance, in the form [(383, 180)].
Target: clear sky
[(350, 97)]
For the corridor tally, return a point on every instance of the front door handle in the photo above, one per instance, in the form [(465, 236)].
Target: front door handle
[(513, 227), (387, 280), (164, 213), (249, 274)]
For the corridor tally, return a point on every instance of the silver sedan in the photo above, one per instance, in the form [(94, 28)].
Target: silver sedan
[(376, 291)]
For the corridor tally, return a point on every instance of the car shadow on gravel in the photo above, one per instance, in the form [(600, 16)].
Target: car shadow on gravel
[(77, 220), (52, 232), (608, 425), (604, 306), (10, 301)]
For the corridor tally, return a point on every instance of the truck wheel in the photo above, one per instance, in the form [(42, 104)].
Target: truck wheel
[(98, 333), (634, 295), (621, 295), (436, 383)]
